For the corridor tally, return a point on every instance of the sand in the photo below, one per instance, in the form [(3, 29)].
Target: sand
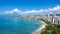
[(41, 28)]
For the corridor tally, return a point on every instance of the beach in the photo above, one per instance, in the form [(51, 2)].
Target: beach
[(41, 28)]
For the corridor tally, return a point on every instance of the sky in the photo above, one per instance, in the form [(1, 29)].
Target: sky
[(25, 5)]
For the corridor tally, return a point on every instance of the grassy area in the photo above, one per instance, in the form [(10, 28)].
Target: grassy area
[(51, 28)]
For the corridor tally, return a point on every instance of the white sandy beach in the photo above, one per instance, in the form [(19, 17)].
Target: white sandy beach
[(39, 30)]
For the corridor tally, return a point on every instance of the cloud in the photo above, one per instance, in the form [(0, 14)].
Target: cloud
[(57, 8), (13, 11), (29, 12), (32, 11)]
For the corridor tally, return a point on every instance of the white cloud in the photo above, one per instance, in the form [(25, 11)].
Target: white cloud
[(32, 11), (13, 11), (7, 12), (57, 8)]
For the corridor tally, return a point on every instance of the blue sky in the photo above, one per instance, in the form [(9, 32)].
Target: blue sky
[(27, 4)]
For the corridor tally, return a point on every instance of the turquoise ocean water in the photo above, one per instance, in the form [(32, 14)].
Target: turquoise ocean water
[(15, 25)]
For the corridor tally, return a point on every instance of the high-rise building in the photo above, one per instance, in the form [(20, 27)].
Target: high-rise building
[(48, 16), (56, 19)]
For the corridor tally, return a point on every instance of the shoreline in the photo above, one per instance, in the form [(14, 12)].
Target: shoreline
[(41, 28)]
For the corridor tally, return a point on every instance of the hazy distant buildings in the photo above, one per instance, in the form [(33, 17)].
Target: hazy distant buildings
[(59, 21), (56, 19), (53, 19)]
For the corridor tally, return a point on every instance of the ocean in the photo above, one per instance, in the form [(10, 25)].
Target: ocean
[(17, 25)]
